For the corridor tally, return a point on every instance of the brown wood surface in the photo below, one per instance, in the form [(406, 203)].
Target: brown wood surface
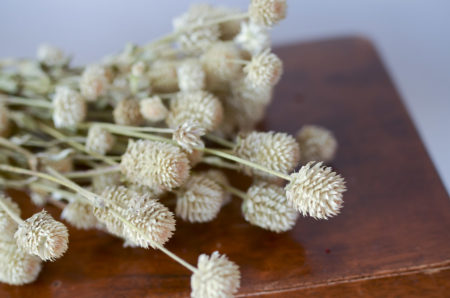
[(391, 239)]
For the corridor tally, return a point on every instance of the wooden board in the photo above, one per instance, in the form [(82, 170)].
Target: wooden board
[(392, 237)]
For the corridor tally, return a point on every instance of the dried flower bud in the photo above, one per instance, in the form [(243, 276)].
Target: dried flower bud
[(59, 160), (138, 69), (316, 143), (69, 108), (268, 208), (264, 70), (145, 190), (164, 76), (51, 55), (99, 140), (267, 12), (216, 276), (316, 191), (127, 112), (100, 182), (219, 63), (4, 121), (244, 92), (43, 236), (199, 199), (195, 157), (197, 106), (16, 266), (94, 82), (155, 164), (220, 178), (80, 214), (253, 38), (188, 135), (7, 225), (276, 151), (196, 34), (152, 109), (191, 76)]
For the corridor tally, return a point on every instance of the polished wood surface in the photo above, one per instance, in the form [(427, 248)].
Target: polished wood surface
[(391, 239)]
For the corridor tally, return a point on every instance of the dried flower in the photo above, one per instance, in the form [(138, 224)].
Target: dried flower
[(264, 70), (7, 225), (267, 12), (316, 143), (268, 208), (99, 140), (16, 266), (100, 182), (195, 157), (242, 91), (197, 106), (51, 55), (80, 214), (59, 160), (138, 69), (188, 136), (4, 121), (253, 37), (276, 151), (195, 34), (127, 112), (191, 76), (69, 107), (219, 62), (155, 164), (43, 236), (164, 76), (152, 109), (220, 178), (94, 82), (199, 199), (216, 276), (316, 191)]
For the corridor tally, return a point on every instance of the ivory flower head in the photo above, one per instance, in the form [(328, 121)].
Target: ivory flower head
[(7, 225), (94, 82), (127, 112), (253, 37), (69, 108), (99, 140), (188, 135), (191, 76), (267, 12), (80, 214), (316, 143), (264, 70), (51, 56), (16, 266), (152, 109)]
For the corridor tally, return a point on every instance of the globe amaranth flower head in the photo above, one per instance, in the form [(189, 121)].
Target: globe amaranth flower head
[(80, 214), (267, 12), (157, 165), (316, 143), (253, 38), (219, 63), (99, 140), (43, 236), (188, 135), (216, 276), (197, 106), (199, 199), (51, 56), (264, 70), (16, 266), (274, 150), (7, 225), (191, 76), (128, 112), (152, 109), (316, 191), (94, 82), (69, 108), (266, 206)]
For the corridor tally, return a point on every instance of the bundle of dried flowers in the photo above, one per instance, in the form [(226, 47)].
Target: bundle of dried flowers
[(159, 108)]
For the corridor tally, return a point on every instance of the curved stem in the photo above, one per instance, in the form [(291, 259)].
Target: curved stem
[(132, 128), (215, 161), (90, 173), (235, 191), (220, 141)]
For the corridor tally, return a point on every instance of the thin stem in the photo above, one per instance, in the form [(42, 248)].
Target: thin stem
[(16, 183), (52, 189), (132, 128), (235, 191), (215, 161), (32, 160), (139, 135), (28, 102), (95, 172), (220, 141), (11, 213)]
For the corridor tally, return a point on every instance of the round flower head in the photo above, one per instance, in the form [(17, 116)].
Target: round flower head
[(195, 157), (191, 76), (59, 160), (99, 140), (264, 70), (51, 56), (69, 108), (267, 12), (155, 164), (216, 276), (253, 38), (218, 62), (4, 121), (16, 266), (100, 182), (316, 191), (152, 109), (268, 208), (94, 82), (196, 106), (316, 143), (188, 135), (242, 91), (80, 214), (195, 34), (276, 151), (199, 199), (164, 76), (43, 236), (220, 178), (127, 112), (153, 220), (7, 225)]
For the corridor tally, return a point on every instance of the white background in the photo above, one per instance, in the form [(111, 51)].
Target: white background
[(413, 37)]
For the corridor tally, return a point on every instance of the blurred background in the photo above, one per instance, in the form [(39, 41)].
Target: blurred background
[(412, 36)]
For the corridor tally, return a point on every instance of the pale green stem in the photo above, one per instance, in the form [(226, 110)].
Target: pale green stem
[(52, 189), (215, 161), (11, 213), (235, 191), (27, 102), (129, 133), (32, 160), (133, 128), (90, 173), (220, 141)]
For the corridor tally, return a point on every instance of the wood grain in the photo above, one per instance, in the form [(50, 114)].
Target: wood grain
[(392, 238)]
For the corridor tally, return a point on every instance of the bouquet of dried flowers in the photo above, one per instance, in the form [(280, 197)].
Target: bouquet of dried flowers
[(106, 142)]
